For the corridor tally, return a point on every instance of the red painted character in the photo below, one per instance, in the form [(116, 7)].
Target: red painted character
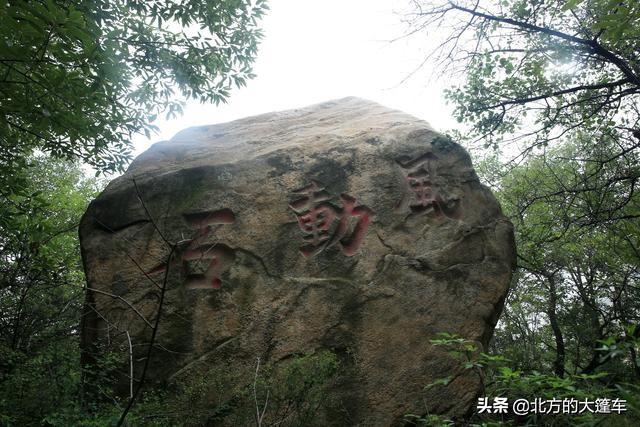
[(424, 197), (221, 256), (325, 225)]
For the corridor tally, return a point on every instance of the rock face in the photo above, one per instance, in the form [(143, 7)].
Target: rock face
[(343, 226)]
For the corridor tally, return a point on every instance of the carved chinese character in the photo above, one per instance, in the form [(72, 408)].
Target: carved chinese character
[(423, 196), (325, 225), (220, 257)]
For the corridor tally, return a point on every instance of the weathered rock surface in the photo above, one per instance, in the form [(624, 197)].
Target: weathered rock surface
[(344, 226)]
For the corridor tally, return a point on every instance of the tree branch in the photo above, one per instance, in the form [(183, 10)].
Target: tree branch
[(592, 44), (520, 101)]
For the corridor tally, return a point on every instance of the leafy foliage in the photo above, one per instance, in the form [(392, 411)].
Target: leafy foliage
[(541, 70), (41, 292), (78, 79), (501, 380), (577, 233)]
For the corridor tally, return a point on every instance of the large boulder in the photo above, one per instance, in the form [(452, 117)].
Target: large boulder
[(345, 226)]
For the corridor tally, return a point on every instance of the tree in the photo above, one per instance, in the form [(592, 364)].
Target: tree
[(579, 280), (41, 292), (79, 79), (541, 70)]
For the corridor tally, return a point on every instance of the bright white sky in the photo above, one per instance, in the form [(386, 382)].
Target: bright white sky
[(315, 51)]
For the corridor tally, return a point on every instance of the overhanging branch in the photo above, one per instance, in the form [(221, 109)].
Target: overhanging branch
[(592, 44)]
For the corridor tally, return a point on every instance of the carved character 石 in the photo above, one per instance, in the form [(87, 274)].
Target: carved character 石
[(220, 256)]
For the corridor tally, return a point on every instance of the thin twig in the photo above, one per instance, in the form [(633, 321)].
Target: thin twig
[(123, 300), (150, 348), (130, 366), (259, 414)]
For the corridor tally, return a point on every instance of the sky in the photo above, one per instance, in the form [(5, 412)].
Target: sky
[(315, 51)]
